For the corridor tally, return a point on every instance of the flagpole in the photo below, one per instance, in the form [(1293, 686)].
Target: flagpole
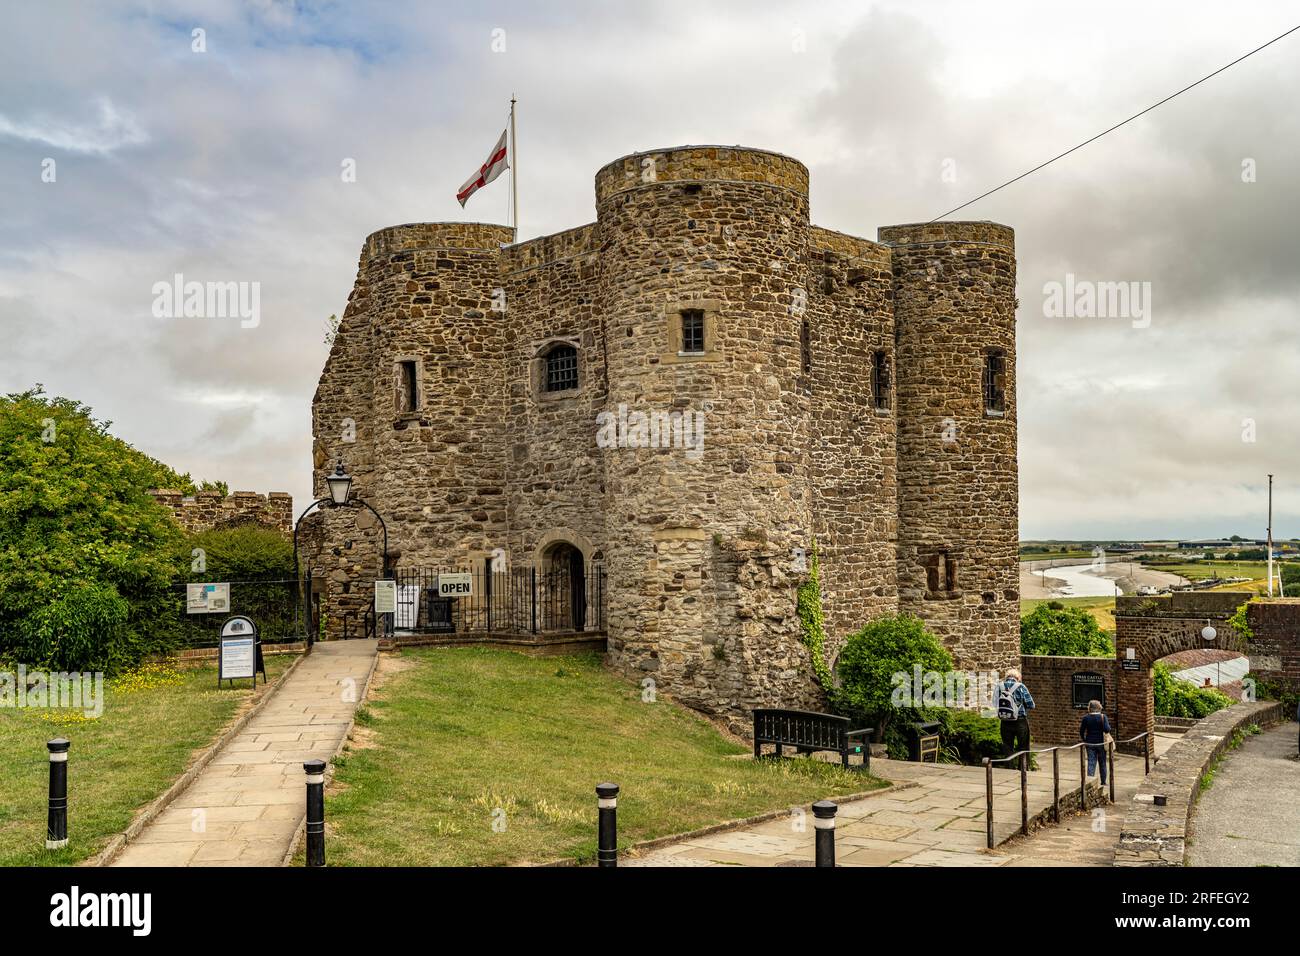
[(514, 171)]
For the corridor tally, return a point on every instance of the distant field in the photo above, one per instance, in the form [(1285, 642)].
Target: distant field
[(1057, 555), (1102, 608), (1197, 570)]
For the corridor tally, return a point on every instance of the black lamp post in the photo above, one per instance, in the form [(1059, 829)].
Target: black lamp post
[(340, 496)]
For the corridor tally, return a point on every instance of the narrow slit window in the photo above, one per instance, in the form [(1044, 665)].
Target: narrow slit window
[(805, 346), (693, 330), (409, 396), (880, 383), (561, 368), (995, 382)]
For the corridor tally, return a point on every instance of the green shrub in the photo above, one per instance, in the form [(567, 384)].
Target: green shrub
[(245, 552), (1180, 698), (867, 669), (974, 737), (1063, 631)]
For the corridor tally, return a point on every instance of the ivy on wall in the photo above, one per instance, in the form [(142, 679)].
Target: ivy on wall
[(811, 622)]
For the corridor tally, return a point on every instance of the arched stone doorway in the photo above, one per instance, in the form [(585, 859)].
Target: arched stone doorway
[(1148, 629), (563, 587)]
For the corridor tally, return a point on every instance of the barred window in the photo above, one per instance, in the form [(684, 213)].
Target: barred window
[(995, 382), (561, 368), (880, 383)]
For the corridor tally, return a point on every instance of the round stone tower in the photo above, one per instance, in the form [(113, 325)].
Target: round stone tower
[(958, 535), (704, 293)]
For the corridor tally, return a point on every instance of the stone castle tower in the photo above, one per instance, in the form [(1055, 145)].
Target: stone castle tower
[(853, 393)]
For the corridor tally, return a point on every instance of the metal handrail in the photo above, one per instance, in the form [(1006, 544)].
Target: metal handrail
[(1022, 757)]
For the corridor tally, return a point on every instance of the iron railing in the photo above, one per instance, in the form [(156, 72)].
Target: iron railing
[(1022, 756), (273, 603)]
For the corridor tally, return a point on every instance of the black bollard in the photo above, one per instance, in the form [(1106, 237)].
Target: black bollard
[(607, 845), (56, 830), (824, 822), (315, 812)]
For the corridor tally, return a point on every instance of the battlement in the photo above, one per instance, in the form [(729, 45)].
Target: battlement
[(695, 164), (207, 510)]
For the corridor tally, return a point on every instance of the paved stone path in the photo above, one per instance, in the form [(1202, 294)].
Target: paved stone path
[(1250, 816), (937, 821), (245, 806)]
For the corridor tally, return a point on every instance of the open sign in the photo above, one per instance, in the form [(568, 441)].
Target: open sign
[(456, 585)]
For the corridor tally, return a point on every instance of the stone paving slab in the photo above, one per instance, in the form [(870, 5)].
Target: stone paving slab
[(244, 808), (939, 821)]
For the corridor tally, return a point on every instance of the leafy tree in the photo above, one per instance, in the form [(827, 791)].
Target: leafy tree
[(85, 553), (867, 666), (1061, 631)]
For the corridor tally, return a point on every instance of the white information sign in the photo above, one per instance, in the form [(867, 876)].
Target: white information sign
[(238, 649), (408, 606), (456, 585), (207, 599), (385, 597)]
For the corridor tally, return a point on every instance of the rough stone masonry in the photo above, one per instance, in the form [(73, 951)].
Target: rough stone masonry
[(854, 393)]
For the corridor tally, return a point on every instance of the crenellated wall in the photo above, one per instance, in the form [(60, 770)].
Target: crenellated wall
[(206, 510)]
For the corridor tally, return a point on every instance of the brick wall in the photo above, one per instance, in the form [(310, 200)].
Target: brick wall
[(1054, 719), (210, 509), (1275, 644)]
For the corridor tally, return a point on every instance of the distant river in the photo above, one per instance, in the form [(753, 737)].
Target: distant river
[(1079, 581)]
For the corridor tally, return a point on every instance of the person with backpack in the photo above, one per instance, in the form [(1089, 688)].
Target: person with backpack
[(1014, 704), (1094, 730)]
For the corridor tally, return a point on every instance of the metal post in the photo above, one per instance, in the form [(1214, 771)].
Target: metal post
[(824, 823), (1146, 752), (1083, 782), (1024, 794), (607, 840), (1110, 760), (315, 812), (1056, 785), (988, 792), (56, 830), (532, 576)]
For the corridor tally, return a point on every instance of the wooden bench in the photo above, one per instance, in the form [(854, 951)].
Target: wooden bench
[(808, 732)]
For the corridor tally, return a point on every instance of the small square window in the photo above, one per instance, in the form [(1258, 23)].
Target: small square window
[(692, 330)]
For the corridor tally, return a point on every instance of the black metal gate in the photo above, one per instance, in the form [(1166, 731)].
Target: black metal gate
[(516, 601)]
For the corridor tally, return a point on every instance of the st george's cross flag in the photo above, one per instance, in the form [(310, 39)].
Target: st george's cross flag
[(495, 165)]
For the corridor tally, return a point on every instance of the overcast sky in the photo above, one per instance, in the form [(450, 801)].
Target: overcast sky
[(226, 165)]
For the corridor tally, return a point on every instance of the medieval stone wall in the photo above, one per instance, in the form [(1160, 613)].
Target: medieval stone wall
[(211, 509), (854, 469)]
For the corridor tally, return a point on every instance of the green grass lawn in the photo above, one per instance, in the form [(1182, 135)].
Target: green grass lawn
[(454, 741), (1102, 608), (1197, 570), (152, 722)]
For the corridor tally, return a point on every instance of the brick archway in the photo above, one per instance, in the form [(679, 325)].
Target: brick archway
[(1147, 629)]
